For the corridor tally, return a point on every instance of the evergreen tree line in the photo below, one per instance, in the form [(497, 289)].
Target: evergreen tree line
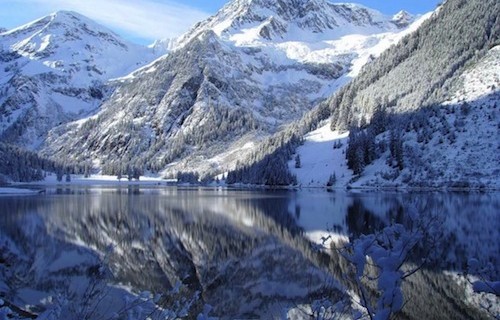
[(123, 171), (411, 138), (188, 177), (25, 166)]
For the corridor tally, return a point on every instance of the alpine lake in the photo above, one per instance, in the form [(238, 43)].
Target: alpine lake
[(147, 252)]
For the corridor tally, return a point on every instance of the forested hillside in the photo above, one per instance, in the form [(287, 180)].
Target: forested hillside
[(20, 165), (423, 67), (407, 87)]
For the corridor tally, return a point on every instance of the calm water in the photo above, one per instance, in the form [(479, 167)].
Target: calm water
[(247, 253)]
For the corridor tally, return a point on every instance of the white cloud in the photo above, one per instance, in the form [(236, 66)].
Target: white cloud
[(148, 19)]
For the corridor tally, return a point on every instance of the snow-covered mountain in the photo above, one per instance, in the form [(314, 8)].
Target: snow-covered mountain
[(292, 20), (163, 46), (424, 114), (230, 81), (55, 70), (2, 30)]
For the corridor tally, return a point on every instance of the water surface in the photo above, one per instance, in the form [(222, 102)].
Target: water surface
[(247, 253)]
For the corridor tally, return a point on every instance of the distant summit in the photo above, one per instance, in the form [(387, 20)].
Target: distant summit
[(403, 19), (55, 69), (292, 19), (68, 40)]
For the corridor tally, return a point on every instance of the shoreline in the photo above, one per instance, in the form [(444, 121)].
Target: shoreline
[(148, 181)]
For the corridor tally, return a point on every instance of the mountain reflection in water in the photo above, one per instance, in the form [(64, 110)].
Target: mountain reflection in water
[(248, 253)]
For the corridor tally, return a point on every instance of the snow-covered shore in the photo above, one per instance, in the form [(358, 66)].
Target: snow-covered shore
[(80, 180), (17, 191)]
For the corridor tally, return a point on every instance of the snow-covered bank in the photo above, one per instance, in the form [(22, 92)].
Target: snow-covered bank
[(76, 179), (17, 191)]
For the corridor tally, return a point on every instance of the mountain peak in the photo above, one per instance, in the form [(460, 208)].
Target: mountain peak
[(60, 64), (62, 14), (163, 46), (61, 23), (403, 18), (69, 17), (73, 44), (2, 30), (293, 20)]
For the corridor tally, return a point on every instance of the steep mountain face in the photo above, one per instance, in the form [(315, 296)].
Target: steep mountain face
[(426, 109), (55, 70), (2, 30), (422, 69), (233, 79)]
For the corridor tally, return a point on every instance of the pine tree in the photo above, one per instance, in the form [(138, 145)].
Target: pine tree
[(60, 175), (130, 174), (298, 164), (331, 180), (396, 148), (86, 172)]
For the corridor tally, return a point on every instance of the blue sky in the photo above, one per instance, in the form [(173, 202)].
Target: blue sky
[(143, 21)]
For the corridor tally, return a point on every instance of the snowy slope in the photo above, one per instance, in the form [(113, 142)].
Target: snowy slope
[(319, 159), (457, 148), (55, 69), (228, 84), (294, 20)]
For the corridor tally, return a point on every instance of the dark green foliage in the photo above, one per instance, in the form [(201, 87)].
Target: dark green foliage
[(269, 164), (59, 175), (24, 166), (87, 168), (269, 171), (396, 148), (118, 169), (332, 180)]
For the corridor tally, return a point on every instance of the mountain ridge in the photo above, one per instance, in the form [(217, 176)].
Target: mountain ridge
[(247, 90), (278, 19)]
